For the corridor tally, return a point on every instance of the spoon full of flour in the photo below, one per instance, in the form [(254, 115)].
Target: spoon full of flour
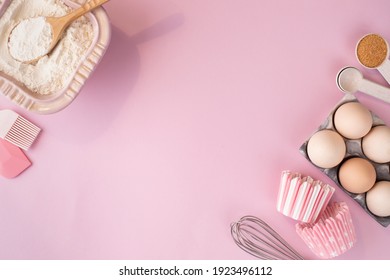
[(33, 38)]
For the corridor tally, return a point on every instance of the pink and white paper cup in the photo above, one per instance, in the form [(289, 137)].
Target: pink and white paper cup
[(302, 198), (332, 235)]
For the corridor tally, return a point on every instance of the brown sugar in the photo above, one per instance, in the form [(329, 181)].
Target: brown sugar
[(372, 51)]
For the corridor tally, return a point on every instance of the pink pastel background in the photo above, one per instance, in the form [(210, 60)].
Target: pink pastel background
[(185, 127)]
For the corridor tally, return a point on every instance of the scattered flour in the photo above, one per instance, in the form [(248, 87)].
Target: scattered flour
[(51, 73), (30, 39)]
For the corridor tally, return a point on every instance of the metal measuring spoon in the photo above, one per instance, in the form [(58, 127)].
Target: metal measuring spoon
[(351, 80), (372, 51)]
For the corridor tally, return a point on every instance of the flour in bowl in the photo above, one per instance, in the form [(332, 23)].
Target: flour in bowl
[(52, 72), (30, 39)]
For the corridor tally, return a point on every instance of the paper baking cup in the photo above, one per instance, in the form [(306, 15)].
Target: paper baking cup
[(302, 198), (332, 235)]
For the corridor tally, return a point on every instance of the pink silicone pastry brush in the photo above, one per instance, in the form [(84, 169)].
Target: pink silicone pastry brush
[(12, 160), (17, 130)]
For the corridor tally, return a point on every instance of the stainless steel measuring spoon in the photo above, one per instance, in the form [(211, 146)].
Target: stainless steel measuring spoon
[(351, 80)]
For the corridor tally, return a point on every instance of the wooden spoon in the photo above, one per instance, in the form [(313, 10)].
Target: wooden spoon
[(59, 24)]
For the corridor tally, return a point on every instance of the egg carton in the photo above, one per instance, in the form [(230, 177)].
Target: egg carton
[(354, 149)]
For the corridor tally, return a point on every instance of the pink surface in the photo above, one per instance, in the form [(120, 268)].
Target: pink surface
[(185, 126)]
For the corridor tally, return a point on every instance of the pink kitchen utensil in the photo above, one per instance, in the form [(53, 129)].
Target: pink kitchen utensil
[(17, 130), (12, 160)]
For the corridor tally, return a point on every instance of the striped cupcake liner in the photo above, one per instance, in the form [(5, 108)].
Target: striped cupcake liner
[(302, 198)]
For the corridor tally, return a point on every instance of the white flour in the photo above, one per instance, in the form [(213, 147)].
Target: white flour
[(30, 39), (51, 73)]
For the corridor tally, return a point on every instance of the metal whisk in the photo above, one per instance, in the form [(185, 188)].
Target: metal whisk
[(257, 238)]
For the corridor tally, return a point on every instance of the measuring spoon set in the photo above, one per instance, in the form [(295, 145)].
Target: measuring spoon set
[(372, 52)]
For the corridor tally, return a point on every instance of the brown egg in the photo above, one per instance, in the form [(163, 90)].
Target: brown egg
[(357, 175), (378, 199), (352, 120)]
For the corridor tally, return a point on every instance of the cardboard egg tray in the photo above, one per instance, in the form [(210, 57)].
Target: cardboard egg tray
[(354, 149)]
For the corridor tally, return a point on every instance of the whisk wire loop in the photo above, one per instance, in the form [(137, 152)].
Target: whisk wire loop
[(257, 238)]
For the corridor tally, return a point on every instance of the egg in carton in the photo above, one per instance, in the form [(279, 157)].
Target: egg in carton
[(336, 149)]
